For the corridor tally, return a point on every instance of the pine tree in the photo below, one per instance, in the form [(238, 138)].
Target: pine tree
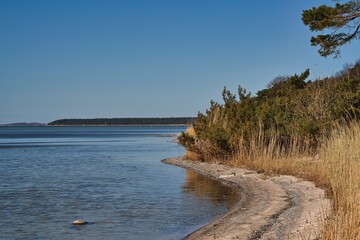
[(342, 22)]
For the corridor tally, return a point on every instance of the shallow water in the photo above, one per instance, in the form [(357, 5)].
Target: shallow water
[(109, 176)]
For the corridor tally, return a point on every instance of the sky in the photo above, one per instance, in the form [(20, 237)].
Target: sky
[(140, 58)]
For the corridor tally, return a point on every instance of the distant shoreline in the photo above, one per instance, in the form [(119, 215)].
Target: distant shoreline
[(124, 121), (119, 125), (78, 122), (23, 125)]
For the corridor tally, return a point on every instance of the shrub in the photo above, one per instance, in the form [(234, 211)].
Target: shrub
[(293, 107)]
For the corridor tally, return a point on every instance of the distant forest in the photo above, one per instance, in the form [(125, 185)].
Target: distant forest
[(124, 121)]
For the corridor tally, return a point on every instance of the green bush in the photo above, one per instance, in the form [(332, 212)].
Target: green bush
[(292, 107)]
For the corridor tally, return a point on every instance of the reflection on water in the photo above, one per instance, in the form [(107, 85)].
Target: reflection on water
[(109, 176), (205, 187)]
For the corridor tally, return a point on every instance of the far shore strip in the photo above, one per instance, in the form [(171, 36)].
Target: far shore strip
[(281, 207)]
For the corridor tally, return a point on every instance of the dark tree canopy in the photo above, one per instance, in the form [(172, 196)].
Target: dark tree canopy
[(124, 121), (342, 21)]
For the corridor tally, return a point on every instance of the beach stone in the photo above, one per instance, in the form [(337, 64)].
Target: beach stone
[(79, 222)]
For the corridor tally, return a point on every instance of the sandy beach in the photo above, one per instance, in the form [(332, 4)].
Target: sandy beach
[(280, 207)]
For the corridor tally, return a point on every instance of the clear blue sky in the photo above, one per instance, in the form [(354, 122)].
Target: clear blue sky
[(140, 58)]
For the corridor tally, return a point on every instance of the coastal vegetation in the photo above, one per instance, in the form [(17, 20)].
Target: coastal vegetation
[(296, 126), (309, 129), (123, 121), (294, 113)]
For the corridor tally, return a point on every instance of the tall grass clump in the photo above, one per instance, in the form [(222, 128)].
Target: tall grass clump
[(336, 168), (269, 155), (340, 159)]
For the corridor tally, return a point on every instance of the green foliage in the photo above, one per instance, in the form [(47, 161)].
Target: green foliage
[(186, 140), (342, 20), (292, 108)]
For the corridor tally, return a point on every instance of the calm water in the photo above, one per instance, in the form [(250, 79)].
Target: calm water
[(109, 176)]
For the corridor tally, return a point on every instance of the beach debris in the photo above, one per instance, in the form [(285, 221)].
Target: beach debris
[(79, 222)]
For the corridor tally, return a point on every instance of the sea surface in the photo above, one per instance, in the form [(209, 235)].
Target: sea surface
[(111, 177)]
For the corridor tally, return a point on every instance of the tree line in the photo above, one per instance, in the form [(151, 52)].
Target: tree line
[(124, 121)]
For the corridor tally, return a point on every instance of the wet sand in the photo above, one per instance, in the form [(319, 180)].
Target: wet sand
[(281, 207)]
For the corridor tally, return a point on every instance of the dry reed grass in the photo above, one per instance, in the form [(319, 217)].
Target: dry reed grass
[(190, 155), (336, 168), (340, 159), (190, 130)]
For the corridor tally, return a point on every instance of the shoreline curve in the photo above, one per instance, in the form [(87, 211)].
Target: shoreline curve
[(281, 207)]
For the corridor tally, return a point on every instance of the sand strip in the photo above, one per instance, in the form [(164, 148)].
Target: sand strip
[(282, 207)]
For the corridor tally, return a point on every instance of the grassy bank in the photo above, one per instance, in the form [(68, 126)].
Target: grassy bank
[(336, 168), (309, 129)]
